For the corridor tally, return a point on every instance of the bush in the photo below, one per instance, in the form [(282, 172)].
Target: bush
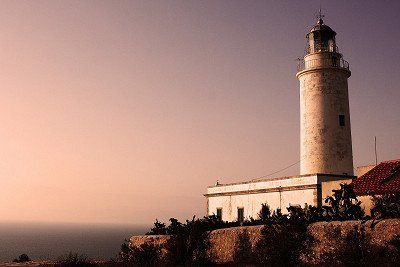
[(147, 254), (386, 206), (75, 259), (264, 213), (343, 205), (189, 242), (22, 258), (282, 239), (158, 229)]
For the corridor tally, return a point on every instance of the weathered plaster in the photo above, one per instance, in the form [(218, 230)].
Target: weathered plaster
[(277, 193), (325, 146)]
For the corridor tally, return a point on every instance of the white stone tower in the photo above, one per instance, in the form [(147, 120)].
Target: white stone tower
[(325, 134)]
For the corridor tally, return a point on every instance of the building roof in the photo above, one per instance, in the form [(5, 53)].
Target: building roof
[(384, 178), (257, 180), (320, 26)]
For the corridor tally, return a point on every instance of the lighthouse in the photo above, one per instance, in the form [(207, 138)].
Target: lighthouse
[(325, 132), (326, 159)]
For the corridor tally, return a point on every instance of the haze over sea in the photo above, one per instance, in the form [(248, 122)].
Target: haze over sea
[(49, 241)]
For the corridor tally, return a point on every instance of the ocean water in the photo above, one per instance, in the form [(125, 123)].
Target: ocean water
[(50, 241)]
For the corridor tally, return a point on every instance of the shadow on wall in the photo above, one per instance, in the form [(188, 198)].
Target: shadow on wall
[(333, 243), (277, 244), (353, 244)]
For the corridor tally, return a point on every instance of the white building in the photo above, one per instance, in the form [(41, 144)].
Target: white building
[(326, 157)]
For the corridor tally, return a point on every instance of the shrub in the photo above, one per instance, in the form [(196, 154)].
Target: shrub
[(386, 206), (158, 229), (282, 239), (22, 258), (147, 254), (175, 227), (188, 244), (343, 205), (74, 259), (265, 212), (189, 241)]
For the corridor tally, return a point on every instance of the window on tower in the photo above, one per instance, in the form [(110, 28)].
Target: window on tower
[(341, 120)]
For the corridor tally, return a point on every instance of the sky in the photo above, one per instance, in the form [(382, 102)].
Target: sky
[(125, 111)]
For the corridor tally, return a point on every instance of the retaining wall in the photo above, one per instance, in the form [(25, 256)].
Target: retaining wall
[(326, 239)]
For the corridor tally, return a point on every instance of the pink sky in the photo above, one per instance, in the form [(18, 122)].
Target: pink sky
[(124, 111)]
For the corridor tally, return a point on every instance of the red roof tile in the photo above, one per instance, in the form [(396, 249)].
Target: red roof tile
[(384, 178)]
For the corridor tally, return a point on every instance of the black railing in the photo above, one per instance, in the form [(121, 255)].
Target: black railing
[(322, 63), (322, 48)]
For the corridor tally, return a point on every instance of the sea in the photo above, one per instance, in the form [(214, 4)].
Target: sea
[(52, 241)]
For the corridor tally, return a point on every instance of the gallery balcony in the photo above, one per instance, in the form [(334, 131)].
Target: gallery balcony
[(322, 63)]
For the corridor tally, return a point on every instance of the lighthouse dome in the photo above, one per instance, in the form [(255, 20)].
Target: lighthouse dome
[(320, 26)]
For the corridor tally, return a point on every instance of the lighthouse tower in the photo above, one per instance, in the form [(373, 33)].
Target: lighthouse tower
[(325, 134), (326, 154)]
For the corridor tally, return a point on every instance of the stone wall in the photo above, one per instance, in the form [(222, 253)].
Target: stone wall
[(326, 239)]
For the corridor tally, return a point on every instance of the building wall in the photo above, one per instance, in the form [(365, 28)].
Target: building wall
[(366, 201), (276, 192), (252, 202), (328, 184), (263, 184), (325, 146), (361, 170), (366, 204)]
